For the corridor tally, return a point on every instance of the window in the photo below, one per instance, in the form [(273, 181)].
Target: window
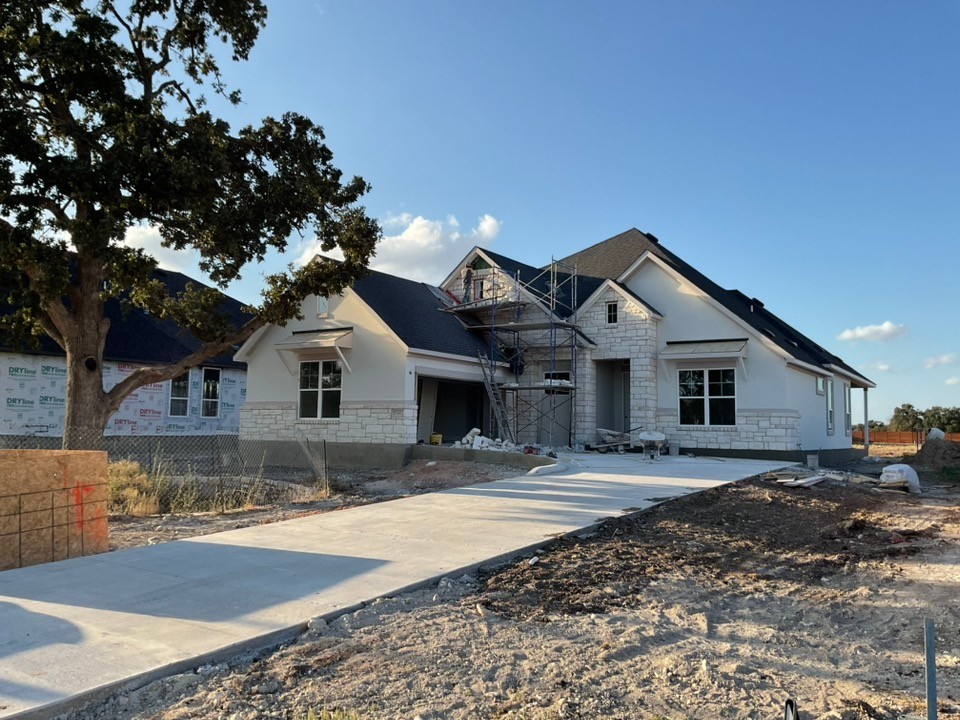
[(323, 306), (480, 289), (320, 389), (210, 407), (830, 407), (821, 386), (847, 413), (179, 396), (557, 375), (611, 313), (708, 397)]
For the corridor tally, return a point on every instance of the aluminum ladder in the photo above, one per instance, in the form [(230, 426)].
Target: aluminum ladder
[(496, 397)]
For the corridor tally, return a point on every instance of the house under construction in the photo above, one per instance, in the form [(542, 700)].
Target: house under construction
[(525, 316), (621, 335)]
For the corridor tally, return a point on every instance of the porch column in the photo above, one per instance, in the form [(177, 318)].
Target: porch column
[(866, 424)]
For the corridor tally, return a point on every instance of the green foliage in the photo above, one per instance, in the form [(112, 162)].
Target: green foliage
[(104, 125), (907, 418)]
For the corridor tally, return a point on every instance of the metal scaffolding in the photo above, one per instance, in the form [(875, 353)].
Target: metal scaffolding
[(528, 322)]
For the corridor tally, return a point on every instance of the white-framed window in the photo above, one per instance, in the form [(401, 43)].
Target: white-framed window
[(821, 386), (611, 313), (323, 306), (708, 397), (210, 399), (320, 382), (179, 396), (556, 375), (847, 409), (830, 410)]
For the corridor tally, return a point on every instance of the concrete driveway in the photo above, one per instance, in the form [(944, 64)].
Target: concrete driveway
[(75, 630)]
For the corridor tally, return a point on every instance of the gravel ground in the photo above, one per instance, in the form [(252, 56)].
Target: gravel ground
[(716, 605)]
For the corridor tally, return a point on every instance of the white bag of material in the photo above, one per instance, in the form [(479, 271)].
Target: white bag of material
[(936, 434), (897, 475)]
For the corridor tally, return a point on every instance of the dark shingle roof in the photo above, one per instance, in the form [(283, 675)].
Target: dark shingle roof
[(137, 337), (614, 256), (415, 312)]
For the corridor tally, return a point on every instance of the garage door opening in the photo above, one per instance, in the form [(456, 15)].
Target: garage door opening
[(451, 408)]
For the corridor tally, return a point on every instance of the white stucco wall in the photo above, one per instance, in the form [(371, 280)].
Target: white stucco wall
[(33, 392), (378, 394), (766, 418), (801, 387), (375, 405)]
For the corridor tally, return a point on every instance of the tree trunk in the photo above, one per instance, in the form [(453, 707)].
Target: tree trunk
[(85, 335), (85, 417)]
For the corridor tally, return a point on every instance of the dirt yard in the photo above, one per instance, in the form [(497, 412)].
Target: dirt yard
[(717, 605), (353, 487)]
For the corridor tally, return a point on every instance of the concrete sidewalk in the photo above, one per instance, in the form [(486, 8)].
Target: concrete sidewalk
[(74, 630)]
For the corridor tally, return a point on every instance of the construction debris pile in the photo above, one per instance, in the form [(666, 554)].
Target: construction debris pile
[(894, 477), (477, 441)]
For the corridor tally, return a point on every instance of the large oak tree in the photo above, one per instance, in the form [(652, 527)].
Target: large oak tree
[(104, 125)]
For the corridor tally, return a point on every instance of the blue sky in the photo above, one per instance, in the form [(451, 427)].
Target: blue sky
[(805, 153)]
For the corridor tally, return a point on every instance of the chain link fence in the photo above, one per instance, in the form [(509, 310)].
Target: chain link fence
[(193, 473)]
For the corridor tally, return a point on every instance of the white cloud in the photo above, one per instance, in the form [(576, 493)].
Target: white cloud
[(418, 248), (953, 381), (874, 333), (878, 366), (948, 359), (148, 239)]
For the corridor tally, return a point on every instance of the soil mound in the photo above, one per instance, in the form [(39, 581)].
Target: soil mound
[(936, 454)]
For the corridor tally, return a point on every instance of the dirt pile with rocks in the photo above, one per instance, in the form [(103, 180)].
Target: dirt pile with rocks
[(717, 605), (937, 454)]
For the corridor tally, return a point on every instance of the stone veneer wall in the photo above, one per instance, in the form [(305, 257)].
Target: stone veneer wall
[(633, 337), (756, 429), (53, 506), (359, 422)]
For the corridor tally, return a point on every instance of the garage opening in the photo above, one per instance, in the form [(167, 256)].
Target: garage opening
[(451, 408)]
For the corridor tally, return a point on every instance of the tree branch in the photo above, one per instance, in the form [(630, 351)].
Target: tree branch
[(144, 375), (176, 85)]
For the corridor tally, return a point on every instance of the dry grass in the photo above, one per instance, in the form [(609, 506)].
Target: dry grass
[(139, 492), (890, 450)]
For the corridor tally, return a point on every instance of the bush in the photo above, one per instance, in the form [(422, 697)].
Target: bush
[(132, 491)]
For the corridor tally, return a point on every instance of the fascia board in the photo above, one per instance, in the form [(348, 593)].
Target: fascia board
[(764, 340), (466, 258), (859, 379), (250, 344), (608, 283), (350, 292)]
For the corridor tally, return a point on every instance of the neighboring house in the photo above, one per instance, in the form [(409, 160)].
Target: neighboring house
[(204, 401), (622, 335)]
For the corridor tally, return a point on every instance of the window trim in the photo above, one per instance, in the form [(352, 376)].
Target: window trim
[(821, 385), (323, 306), (319, 390), (847, 409), (831, 409), (203, 373), (614, 306), (707, 397), (171, 397)]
